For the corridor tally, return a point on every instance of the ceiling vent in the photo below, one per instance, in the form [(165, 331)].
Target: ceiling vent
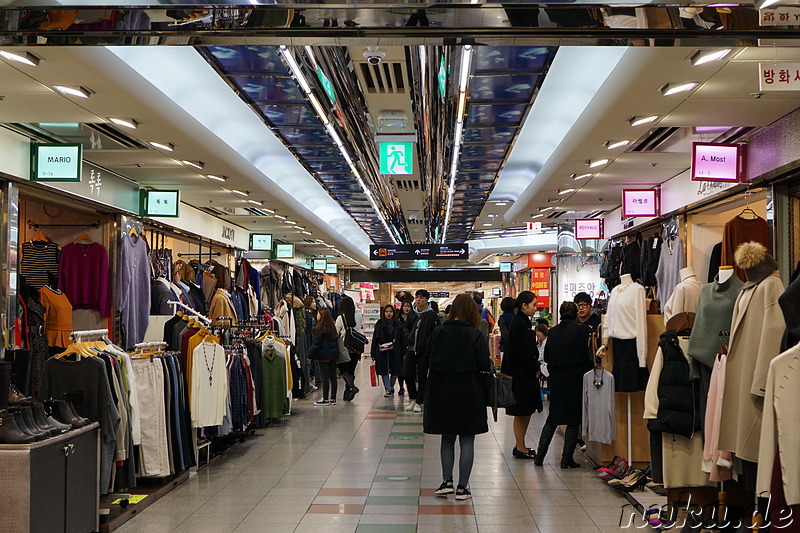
[(406, 185), (653, 141), (556, 214), (387, 77), (109, 131)]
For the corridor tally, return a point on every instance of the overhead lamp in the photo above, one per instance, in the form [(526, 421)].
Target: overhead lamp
[(216, 177), (539, 215), (616, 144), (333, 134), (80, 92), (255, 202), (596, 162), (565, 191), (486, 225), (240, 193), (638, 121), (318, 107), (576, 177), (280, 217), (298, 228), (702, 57), (675, 88), (466, 58), (270, 211), (546, 209), (295, 68), (306, 232), (462, 104), (500, 204), (21, 57), (163, 146), (290, 222), (126, 122), (194, 164)]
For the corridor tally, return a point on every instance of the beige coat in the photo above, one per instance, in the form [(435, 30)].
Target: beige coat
[(756, 331)]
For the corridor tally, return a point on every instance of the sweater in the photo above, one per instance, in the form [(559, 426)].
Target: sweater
[(670, 263), (626, 317), (599, 416), (133, 289), (684, 298), (714, 314), (739, 230), (83, 275), (38, 259)]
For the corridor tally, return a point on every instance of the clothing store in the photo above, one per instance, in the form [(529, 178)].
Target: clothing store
[(698, 341)]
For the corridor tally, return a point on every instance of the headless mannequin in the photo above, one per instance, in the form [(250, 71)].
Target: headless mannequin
[(687, 273), (625, 280), (725, 273)]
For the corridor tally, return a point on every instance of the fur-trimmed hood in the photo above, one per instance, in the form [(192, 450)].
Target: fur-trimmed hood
[(756, 262)]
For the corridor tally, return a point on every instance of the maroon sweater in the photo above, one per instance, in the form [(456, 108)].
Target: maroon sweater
[(83, 276)]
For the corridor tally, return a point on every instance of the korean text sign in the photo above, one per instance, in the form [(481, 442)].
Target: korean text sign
[(640, 202)]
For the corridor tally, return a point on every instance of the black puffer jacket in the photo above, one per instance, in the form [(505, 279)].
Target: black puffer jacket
[(678, 398)]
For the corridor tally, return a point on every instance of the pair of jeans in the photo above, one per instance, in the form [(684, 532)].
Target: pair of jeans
[(330, 384), (388, 382), (448, 455)]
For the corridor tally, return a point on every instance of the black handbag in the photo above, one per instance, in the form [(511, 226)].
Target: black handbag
[(355, 341), (497, 391)]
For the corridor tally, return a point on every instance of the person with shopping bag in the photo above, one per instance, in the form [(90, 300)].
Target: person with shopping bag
[(386, 349)]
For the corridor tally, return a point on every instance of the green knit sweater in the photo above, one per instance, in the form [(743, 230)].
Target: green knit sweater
[(714, 314)]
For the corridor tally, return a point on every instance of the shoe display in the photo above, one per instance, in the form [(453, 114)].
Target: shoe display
[(58, 410), (30, 420), (15, 397), (569, 463), (522, 455), (40, 415), (463, 493), (322, 402), (20, 420), (10, 433), (445, 488), (71, 410)]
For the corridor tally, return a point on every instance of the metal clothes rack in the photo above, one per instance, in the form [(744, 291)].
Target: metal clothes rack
[(200, 254), (77, 336), (189, 310), (34, 225), (155, 344)]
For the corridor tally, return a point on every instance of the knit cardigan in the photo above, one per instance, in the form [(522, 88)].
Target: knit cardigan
[(714, 314)]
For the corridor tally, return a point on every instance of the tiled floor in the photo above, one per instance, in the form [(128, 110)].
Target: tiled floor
[(364, 467)]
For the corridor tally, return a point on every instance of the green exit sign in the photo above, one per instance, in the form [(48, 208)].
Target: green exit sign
[(441, 77), (396, 157), (391, 264), (327, 86), (422, 264)]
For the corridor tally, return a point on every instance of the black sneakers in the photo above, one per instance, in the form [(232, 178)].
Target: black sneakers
[(445, 488), (463, 493)]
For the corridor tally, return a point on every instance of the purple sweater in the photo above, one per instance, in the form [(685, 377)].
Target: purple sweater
[(133, 289), (83, 277)]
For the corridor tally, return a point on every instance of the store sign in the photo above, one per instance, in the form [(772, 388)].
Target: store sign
[(640, 203), (588, 228), (396, 157), (419, 251), (497, 292), (441, 294), (779, 76), (577, 274), (506, 267), (332, 268), (260, 242), (779, 16), (160, 203), (319, 265), (540, 285), (535, 228), (103, 187), (327, 86), (422, 264), (284, 251), (717, 162), (56, 162), (540, 260)]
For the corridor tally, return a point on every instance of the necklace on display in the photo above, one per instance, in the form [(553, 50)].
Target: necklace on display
[(209, 368)]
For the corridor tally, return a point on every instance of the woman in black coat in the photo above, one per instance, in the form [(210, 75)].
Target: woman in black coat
[(454, 401), (568, 357), (386, 349), (324, 350), (521, 362)]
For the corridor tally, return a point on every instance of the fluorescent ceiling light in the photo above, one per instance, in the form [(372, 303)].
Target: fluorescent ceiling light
[(295, 68), (486, 225), (195, 164), (318, 108), (565, 191), (270, 211), (499, 204), (80, 92), (217, 178), (539, 215), (126, 122), (289, 222), (705, 56), (280, 217), (675, 88), (240, 193), (163, 146), (466, 57), (298, 228), (615, 144), (577, 177), (546, 209), (596, 163), (255, 202), (333, 134), (21, 57), (306, 232), (638, 121), (462, 104)]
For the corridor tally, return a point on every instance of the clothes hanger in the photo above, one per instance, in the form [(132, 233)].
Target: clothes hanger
[(132, 232), (40, 237), (84, 237)]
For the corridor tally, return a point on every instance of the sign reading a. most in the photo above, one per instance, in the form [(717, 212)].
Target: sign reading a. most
[(418, 251)]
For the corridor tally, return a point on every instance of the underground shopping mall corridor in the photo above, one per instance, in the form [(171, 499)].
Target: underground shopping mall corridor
[(366, 467)]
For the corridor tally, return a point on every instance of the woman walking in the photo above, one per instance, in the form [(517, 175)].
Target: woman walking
[(348, 318), (454, 402), (386, 349), (568, 357), (405, 311), (521, 362), (325, 350)]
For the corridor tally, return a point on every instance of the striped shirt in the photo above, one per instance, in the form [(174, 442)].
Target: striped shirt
[(39, 258)]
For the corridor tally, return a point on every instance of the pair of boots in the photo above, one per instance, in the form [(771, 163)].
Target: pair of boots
[(570, 441), (32, 423)]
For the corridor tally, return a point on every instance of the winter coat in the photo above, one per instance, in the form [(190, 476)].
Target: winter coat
[(428, 321), (454, 401), (568, 358), (521, 362), (678, 398), (323, 348), (504, 321), (389, 361)]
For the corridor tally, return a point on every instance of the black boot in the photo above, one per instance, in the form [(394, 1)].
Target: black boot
[(20, 420), (569, 463), (48, 422), (10, 433), (71, 410), (27, 414)]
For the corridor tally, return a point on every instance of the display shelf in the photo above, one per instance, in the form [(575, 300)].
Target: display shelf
[(152, 488)]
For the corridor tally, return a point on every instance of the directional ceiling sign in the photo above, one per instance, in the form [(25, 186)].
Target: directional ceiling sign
[(397, 157), (403, 252), (326, 85)]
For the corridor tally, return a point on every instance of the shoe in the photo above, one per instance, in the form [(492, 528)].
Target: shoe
[(638, 483), (410, 407), (387, 394), (15, 397), (463, 493), (73, 412), (445, 488), (20, 421), (522, 455), (43, 420), (30, 420), (10, 433), (417, 408), (569, 463), (322, 402), (401, 392), (332, 401), (539, 459), (356, 390)]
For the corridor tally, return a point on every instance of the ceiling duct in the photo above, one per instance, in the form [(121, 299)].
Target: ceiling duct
[(654, 140), (125, 140), (407, 185), (387, 77), (567, 243)]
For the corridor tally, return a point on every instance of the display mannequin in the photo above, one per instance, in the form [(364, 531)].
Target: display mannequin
[(626, 327), (725, 273), (685, 297)]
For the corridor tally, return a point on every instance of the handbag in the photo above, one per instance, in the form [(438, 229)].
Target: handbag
[(344, 355), (497, 390), (355, 341)]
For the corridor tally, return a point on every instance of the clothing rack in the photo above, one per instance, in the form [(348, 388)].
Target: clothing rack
[(189, 310), (200, 254), (34, 225), (156, 344), (77, 335)]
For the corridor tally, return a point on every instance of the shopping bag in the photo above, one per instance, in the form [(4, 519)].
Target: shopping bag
[(373, 376)]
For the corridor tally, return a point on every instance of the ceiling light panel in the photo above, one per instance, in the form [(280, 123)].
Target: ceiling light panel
[(26, 58), (675, 88), (217, 177), (702, 57), (169, 147), (596, 162), (639, 120), (129, 123), (611, 145), (80, 92), (194, 164)]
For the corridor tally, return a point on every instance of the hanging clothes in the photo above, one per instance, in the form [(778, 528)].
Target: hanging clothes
[(222, 306), (39, 258), (651, 253), (209, 385), (133, 288), (670, 262), (160, 294), (599, 407), (626, 324), (83, 275), (57, 317), (275, 398), (740, 230)]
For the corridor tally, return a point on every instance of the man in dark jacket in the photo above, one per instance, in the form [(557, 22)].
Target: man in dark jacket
[(421, 323)]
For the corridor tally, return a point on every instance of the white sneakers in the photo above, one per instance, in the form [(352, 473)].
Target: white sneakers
[(414, 406)]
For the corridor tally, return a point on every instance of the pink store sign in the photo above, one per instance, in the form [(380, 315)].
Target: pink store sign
[(588, 228), (717, 162), (641, 202)]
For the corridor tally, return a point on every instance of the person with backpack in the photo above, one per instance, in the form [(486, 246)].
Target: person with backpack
[(348, 318), (419, 326), (487, 320), (324, 350), (386, 349)]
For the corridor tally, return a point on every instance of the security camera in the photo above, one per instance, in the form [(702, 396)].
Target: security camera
[(374, 55)]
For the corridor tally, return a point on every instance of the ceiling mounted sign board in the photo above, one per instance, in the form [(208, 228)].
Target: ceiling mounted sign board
[(640, 202), (400, 252), (396, 157), (56, 162), (779, 76), (717, 162), (588, 228)]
